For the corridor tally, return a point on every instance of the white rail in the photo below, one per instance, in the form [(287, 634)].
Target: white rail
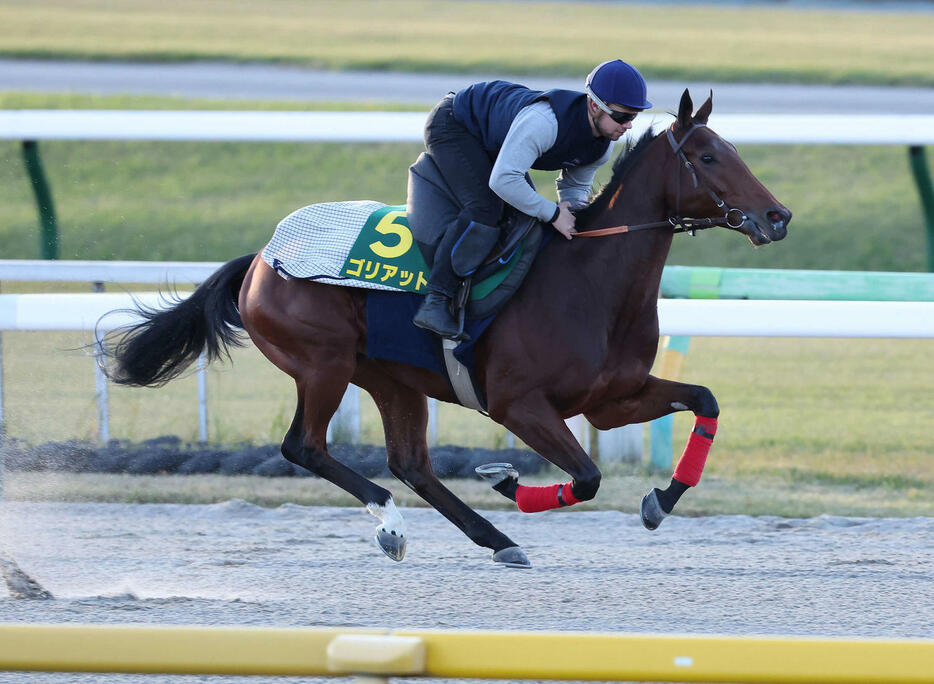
[(102, 311), (694, 317), (780, 318), (278, 126), (92, 311), (155, 272)]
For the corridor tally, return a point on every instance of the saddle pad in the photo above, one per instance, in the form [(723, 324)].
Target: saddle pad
[(391, 335), (357, 244)]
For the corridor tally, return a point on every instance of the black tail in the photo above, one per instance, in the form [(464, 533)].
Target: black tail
[(151, 353)]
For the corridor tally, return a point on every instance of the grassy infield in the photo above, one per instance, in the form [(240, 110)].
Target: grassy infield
[(808, 426)]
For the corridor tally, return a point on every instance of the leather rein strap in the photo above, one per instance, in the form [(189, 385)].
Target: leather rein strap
[(677, 222)]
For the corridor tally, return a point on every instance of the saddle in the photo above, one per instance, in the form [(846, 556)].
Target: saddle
[(504, 256)]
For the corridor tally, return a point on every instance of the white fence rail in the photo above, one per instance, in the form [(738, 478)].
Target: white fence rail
[(37, 312), (74, 312), (273, 126), (694, 317), (154, 272)]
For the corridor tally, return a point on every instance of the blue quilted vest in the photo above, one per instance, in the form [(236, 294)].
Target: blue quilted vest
[(488, 109)]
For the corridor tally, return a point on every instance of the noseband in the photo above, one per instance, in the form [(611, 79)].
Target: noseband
[(678, 222)]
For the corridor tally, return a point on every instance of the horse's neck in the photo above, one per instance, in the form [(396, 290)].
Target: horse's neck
[(630, 265)]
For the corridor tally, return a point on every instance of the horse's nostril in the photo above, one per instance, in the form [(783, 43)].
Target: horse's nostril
[(779, 216)]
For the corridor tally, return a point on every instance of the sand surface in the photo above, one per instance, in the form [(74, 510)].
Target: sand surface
[(234, 563)]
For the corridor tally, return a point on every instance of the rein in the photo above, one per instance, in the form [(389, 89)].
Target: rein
[(679, 223)]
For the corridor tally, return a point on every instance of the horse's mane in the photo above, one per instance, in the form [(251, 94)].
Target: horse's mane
[(623, 165)]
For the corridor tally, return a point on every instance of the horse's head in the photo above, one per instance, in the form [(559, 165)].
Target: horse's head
[(713, 181)]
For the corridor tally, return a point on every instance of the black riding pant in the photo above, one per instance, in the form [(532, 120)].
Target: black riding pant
[(466, 166)]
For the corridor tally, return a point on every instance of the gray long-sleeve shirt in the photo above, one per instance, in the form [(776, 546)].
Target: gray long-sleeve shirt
[(532, 133)]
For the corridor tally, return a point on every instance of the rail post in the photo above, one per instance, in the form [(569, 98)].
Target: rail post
[(919, 168), (2, 423), (48, 235), (202, 397), (661, 454), (345, 425), (100, 384), (432, 422)]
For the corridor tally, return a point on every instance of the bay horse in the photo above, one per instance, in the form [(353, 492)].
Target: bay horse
[(578, 337)]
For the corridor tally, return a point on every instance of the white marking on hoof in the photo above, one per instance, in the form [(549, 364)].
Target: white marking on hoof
[(392, 520)]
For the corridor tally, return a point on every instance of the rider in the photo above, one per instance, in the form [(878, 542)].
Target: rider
[(486, 137)]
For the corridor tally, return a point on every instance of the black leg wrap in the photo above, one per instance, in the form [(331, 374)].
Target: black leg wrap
[(508, 487), (669, 497)]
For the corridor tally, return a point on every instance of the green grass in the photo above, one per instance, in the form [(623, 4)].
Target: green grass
[(621, 489), (49, 395), (856, 207), (807, 426), (668, 41)]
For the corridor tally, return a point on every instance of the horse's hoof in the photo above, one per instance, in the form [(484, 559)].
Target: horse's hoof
[(512, 557), (494, 473), (652, 512), (391, 544)]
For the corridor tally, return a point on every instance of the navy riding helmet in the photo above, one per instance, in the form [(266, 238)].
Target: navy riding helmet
[(616, 82)]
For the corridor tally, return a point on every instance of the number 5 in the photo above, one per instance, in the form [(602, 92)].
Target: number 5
[(388, 226)]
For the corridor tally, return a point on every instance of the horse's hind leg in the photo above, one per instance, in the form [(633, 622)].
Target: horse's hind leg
[(311, 332), (405, 417), (536, 422), (305, 444), (656, 399)]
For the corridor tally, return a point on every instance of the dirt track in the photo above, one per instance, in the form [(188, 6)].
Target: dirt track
[(235, 563)]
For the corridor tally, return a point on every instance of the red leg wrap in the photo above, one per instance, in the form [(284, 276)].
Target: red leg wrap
[(536, 499), (691, 464)]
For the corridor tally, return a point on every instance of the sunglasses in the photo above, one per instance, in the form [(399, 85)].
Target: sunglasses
[(622, 117), (618, 117)]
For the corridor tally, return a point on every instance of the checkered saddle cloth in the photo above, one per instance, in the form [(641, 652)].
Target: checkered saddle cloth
[(314, 243)]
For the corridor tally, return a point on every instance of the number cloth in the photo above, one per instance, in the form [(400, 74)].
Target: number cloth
[(358, 244)]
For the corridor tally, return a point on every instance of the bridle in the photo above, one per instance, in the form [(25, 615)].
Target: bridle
[(678, 222)]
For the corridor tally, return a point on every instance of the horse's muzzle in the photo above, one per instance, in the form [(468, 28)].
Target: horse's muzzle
[(771, 226)]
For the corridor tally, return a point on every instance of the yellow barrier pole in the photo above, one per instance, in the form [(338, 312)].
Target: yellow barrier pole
[(625, 657), (451, 654), (172, 650)]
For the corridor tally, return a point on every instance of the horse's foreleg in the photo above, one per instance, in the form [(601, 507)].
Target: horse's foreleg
[(405, 418), (659, 398), (536, 422), (305, 444)]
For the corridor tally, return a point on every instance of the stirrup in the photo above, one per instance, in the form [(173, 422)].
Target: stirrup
[(494, 473), (434, 315)]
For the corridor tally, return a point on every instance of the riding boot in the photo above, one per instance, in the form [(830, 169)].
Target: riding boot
[(435, 315)]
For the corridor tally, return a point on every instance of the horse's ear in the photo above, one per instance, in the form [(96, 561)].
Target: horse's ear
[(684, 111), (704, 112)]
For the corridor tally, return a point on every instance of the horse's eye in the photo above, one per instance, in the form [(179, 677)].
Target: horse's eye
[(707, 158)]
